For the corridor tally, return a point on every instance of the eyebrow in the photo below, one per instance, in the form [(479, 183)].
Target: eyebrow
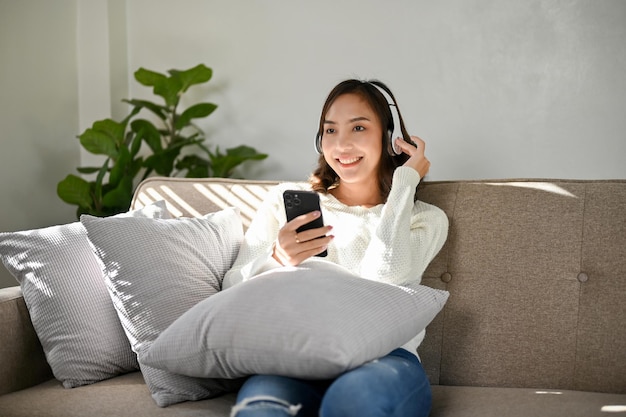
[(356, 119)]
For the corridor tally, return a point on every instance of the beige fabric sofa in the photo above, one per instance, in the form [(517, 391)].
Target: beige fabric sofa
[(534, 326)]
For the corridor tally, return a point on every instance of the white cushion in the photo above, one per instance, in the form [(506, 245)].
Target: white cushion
[(68, 301), (313, 321), (158, 269)]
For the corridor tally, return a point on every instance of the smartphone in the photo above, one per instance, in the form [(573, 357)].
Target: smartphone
[(298, 203)]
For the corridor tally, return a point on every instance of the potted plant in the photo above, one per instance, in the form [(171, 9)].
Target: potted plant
[(126, 161)]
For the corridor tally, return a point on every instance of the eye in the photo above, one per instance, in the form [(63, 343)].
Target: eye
[(359, 128), (330, 131)]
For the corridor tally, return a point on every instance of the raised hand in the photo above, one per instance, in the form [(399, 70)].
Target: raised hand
[(417, 160)]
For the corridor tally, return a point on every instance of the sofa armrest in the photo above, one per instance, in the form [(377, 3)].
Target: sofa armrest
[(22, 361)]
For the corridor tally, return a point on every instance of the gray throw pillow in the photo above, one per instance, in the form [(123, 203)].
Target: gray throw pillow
[(313, 321), (158, 269), (68, 302)]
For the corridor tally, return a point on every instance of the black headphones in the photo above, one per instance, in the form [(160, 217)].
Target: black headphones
[(392, 133)]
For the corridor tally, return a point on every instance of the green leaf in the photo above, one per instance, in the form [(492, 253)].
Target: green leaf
[(84, 210), (194, 112), (112, 129), (245, 152), (120, 168), (163, 162), (148, 132), (166, 87), (189, 161), (198, 172), (135, 144), (121, 196), (196, 166), (97, 198), (88, 170), (170, 89), (157, 109), (75, 190), (149, 78), (224, 164), (98, 143), (135, 167), (181, 141), (197, 75)]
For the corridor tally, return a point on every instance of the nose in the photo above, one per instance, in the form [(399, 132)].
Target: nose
[(344, 140)]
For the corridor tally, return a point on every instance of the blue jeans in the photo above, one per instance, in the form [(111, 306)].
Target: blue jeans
[(393, 386)]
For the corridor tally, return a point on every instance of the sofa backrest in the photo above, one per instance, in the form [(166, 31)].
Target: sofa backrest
[(536, 271)]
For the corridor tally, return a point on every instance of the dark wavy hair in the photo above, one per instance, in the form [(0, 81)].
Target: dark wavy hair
[(324, 177)]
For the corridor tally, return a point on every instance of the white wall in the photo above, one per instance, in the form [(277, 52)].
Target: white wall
[(496, 88), (38, 113)]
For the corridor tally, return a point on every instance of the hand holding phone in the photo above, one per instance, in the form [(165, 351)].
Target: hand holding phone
[(298, 203)]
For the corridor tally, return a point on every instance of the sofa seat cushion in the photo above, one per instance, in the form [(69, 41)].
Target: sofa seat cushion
[(128, 396), (123, 396), (451, 401)]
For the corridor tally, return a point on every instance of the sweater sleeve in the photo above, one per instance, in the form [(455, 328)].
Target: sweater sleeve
[(408, 236), (255, 253)]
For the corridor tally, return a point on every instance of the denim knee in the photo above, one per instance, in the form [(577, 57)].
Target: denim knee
[(265, 406), (278, 396), (393, 386)]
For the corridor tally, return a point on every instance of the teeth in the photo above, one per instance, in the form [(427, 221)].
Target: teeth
[(348, 161)]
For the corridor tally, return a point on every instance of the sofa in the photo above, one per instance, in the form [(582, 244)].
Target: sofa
[(534, 324)]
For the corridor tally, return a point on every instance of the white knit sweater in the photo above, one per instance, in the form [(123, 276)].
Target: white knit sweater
[(392, 242)]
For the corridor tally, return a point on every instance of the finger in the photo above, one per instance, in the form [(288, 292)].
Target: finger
[(302, 220), (306, 254), (313, 234), (316, 251), (288, 239), (419, 143), (314, 244), (294, 255), (405, 147)]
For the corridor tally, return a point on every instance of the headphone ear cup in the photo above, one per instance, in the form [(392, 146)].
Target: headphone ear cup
[(395, 151), (318, 143)]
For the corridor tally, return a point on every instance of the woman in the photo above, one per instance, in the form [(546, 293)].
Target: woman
[(367, 179)]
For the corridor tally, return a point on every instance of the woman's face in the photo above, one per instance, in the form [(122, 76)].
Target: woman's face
[(352, 139)]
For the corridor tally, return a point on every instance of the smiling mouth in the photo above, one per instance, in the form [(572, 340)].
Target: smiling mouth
[(349, 161)]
